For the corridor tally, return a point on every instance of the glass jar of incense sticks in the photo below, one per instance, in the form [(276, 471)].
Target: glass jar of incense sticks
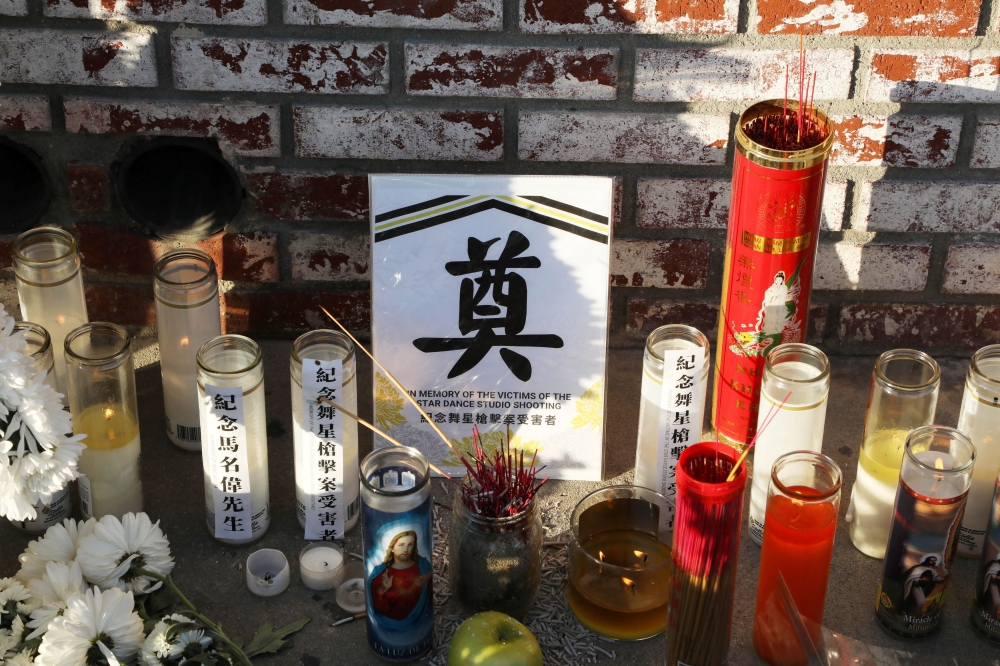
[(620, 561), (706, 546), (903, 396), (933, 486)]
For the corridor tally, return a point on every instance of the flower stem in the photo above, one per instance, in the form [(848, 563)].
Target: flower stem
[(166, 580)]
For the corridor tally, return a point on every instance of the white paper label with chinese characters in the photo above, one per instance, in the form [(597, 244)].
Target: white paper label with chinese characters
[(323, 439), (225, 445), (682, 402)]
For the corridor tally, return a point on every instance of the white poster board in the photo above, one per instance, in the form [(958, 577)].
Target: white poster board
[(490, 304)]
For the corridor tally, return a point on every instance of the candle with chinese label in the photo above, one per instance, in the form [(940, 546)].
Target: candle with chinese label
[(187, 316), (101, 381), (986, 609), (774, 224), (706, 552), (397, 547), (903, 396), (50, 287), (794, 396), (979, 418), (670, 419), (327, 485), (39, 347), (234, 430), (620, 562), (802, 504), (933, 485)]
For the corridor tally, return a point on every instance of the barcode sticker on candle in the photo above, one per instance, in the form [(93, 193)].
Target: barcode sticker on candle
[(323, 441), (86, 504), (225, 448), (682, 401)]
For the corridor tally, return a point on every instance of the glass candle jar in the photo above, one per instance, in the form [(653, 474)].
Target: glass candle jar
[(706, 550), (903, 396), (794, 393), (495, 563), (50, 287), (803, 501), (101, 381), (39, 348), (979, 419), (186, 289), (670, 418), (234, 429), (398, 546), (620, 562), (933, 487), (327, 484), (986, 607)]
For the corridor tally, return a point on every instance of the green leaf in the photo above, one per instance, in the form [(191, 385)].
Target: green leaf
[(268, 640)]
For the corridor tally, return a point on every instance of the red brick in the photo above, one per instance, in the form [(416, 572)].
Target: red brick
[(710, 75), (247, 129), (497, 71), (77, 58), (876, 326), (684, 138), (13, 8), (127, 305), (87, 187), (260, 65), (644, 315), (238, 256), (703, 203), (21, 112), (897, 141), (877, 18), (972, 269), (921, 207), (214, 12), (398, 134), (270, 312), (629, 16), (428, 14), (319, 256), (294, 195), (680, 264), (871, 266), (935, 76), (986, 152)]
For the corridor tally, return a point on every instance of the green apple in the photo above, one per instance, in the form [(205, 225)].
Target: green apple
[(494, 639)]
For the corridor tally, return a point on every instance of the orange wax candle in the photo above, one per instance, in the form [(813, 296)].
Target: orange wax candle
[(799, 530)]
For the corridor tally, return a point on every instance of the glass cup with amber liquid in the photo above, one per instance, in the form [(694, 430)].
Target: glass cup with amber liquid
[(620, 562)]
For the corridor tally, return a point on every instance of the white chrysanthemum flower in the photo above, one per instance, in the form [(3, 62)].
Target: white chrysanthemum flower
[(187, 639), (60, 583), (157, 647), (91, 622), (58, 544), (11, 589), (25, 657), (8, 643), (29, 606), (108, 555)]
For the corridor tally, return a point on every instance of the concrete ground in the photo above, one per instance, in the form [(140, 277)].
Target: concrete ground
[(209, 574)]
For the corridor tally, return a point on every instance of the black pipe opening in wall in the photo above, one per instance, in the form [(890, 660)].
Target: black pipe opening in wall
[(25, 187), (178, 188)]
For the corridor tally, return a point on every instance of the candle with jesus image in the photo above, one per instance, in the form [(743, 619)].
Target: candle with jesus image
[(933, 487), (397, 547)]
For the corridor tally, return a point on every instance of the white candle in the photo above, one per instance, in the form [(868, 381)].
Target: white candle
[(351, 587), (109, 466), (793, 425), (267, 572), (874, 493), (319, 565), (979, 419), (937, 486)]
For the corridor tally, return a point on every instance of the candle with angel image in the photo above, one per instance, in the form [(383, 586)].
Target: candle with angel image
[(986, 609)]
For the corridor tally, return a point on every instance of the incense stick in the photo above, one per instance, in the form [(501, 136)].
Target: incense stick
[(770, 416), (384, 435), (396, 382)]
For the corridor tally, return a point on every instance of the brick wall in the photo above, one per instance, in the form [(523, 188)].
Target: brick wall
[(306, 97)]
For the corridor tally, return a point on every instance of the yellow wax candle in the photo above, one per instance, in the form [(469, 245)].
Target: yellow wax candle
[(110, 462)]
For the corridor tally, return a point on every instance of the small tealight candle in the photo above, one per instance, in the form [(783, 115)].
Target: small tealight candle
[(319, 564), (267, 572), (351, 588)]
